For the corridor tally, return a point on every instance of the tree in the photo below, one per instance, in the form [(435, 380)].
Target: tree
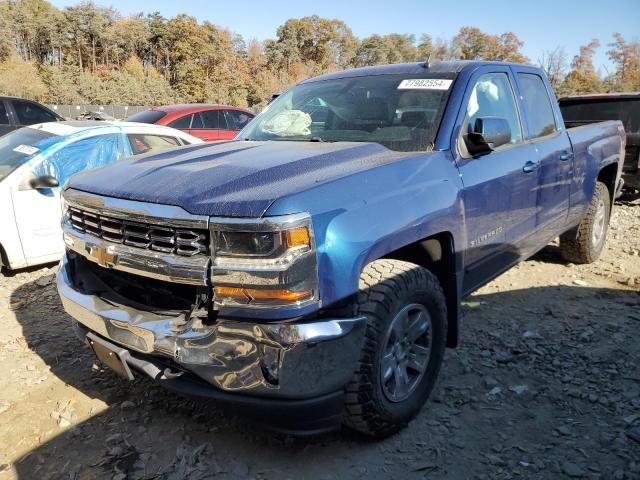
[(506, 48), (555, 64), (626, 57), (583, 77), (19, 78), (323, 43), (425, 47), (471, 43)]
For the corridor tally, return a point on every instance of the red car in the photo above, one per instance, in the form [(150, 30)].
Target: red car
[(208, 122)]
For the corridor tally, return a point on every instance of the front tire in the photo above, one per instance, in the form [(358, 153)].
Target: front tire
[(585, 244), (403, 350)]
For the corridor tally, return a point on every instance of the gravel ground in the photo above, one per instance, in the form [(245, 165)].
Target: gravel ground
[(546, 384)]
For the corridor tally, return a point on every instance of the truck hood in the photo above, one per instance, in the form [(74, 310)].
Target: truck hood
[(238, 178)]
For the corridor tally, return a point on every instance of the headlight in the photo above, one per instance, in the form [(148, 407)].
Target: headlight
[(269, 262)]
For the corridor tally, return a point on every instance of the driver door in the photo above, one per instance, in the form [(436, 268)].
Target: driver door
[(499, 193)]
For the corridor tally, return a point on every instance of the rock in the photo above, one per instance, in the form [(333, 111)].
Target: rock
[(581, 283), (563, 430), (529, 334), (519, 389), (45, 280), (573, 470), (495, 391), (4, 407), (490, 382), (127, 404)]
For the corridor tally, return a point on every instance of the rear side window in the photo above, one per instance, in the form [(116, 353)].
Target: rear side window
[(147, 116), (538, 105), (144, 143), (238, 119), (4, 117), (213, 119), (182, 123), (29, 113)]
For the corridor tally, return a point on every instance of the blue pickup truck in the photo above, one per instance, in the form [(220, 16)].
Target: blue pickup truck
[(310, 272)]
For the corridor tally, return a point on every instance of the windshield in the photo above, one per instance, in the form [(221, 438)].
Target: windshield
[(401, 112), (18, 147)]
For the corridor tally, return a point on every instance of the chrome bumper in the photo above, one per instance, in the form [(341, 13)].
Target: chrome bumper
[(289, 360)]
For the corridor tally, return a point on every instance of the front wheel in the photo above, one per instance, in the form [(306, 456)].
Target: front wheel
[(585, 244), (403, 350)]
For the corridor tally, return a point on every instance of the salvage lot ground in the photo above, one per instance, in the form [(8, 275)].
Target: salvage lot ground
[(545, 385)]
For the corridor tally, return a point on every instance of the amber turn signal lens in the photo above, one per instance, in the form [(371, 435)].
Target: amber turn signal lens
[(298, 237), (256, 294)]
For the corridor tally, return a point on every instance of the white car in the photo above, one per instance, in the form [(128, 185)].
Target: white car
[(36, 161)]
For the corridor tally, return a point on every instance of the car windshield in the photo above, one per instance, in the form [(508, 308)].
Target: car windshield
[(18, 147), (401, 112)]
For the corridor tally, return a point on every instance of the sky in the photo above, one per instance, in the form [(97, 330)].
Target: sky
[(541, 24)]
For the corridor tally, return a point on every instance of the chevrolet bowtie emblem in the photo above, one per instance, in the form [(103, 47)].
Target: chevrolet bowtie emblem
[(102, 256)]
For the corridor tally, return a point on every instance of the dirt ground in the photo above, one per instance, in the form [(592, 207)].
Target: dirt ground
[(546, 384)]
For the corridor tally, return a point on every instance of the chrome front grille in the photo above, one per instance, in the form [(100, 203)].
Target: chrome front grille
[(161, 238)]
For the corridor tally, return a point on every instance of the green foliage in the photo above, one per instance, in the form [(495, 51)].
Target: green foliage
[(91, 54)]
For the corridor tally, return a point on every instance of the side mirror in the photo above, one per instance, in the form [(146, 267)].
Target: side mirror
[(43, 181), (488, 134)]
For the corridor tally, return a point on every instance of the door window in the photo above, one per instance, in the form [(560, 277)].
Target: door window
[(4, 117), (144, 143), (213, 120), (540, 119), (197, 123), (492, 96), (182, 123), (29, 113), (238, 119), (82, 155)]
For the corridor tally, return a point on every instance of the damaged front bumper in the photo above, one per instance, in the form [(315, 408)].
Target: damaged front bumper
[(285, 360)]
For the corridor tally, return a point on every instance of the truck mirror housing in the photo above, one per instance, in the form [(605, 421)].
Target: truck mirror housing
[(488, 134), (43, 181)]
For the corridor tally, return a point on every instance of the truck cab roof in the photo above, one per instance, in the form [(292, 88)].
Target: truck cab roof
[(443, 69)]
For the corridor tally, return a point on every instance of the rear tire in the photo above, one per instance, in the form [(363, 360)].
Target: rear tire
[(403, 350), (585, 243)]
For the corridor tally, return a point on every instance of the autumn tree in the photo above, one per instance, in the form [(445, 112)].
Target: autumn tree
[(583, 77), (325, 44), (626, 57), (471, 43)]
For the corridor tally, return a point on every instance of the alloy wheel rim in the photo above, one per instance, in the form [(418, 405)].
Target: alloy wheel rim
[(599, 224), (407, 352)]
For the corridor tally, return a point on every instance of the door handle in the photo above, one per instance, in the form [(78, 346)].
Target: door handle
[(566, 156), (530, 166)]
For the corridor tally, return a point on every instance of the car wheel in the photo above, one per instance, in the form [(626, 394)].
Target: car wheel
[(585, 243), (403, 350)]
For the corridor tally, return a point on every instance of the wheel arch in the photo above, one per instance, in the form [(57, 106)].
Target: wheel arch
[(608, 175), (437, 254)]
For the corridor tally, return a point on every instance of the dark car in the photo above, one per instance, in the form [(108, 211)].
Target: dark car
[(95, 115), (585, 109), (205, 121), (18, 112)]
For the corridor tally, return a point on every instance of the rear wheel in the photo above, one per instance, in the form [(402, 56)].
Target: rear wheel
[(585, 244), (403, 350)]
